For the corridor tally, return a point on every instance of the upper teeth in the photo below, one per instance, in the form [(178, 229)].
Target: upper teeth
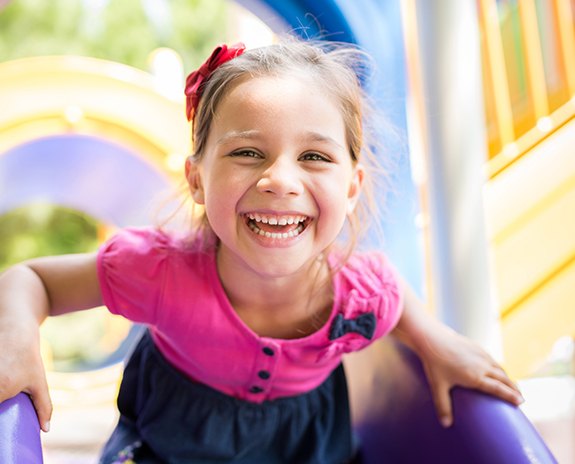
[(276, 220)]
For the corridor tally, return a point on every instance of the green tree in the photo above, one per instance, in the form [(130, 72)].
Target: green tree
[(125, 31), (41, 229)]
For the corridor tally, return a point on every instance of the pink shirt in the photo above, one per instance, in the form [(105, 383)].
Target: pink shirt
[(154, 278)]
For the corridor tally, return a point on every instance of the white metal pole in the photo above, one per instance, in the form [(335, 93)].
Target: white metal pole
[(453, 141)]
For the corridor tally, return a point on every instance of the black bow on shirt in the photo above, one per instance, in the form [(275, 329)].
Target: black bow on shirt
[(363, 324)]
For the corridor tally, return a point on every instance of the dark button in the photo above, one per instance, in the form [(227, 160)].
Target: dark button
[(256, 389), (267, 350), (264, 375)]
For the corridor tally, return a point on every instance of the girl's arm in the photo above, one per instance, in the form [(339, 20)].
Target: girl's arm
[(450, 359), (29, 292)]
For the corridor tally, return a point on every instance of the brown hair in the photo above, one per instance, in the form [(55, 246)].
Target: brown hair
[(336, 67)]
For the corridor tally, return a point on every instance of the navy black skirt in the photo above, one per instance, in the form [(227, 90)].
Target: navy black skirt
[(167, 418)]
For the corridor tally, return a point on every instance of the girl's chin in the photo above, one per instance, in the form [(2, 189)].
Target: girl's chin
[(276, 262), (282, 271)]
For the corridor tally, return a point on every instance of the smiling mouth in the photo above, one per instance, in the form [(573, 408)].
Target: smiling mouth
[(277, 226)]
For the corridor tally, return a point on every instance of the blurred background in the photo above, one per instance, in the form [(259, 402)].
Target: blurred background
[(93, 137)]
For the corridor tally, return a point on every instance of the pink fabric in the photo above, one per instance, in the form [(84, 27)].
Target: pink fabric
[(165, 282)]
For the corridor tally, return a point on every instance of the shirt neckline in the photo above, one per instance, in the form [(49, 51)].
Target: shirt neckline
[(229, 310)]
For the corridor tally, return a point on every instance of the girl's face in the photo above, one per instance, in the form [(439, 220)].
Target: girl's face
[(276, 177)]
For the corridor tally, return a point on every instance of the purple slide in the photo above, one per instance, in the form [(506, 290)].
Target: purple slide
[(397, 422), (19, 432), (397, 426)]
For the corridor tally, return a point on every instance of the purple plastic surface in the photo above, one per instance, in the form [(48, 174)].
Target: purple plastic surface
[(19, 432), (400, 425), (95, 176)]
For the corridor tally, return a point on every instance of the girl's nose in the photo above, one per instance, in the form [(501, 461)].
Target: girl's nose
[(281, 178)]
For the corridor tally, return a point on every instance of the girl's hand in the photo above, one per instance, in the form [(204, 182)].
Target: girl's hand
[(450, 360), (29, 293), (22, 370)]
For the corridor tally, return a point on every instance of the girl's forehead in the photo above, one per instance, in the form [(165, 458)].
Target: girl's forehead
[(279, 105), (277, 92)]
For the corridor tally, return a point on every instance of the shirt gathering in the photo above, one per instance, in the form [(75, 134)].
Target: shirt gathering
[(172, 285)]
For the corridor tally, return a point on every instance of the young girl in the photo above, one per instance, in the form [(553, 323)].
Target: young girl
[(249, 314)]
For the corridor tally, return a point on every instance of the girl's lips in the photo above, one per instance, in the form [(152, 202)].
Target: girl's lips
[(277, 226)]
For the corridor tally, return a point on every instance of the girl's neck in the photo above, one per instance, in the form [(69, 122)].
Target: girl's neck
[(281, 307)]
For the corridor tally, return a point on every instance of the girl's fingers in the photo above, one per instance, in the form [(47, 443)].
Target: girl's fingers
[(40, 396), (442, 401), (499, 374), (505, 390)]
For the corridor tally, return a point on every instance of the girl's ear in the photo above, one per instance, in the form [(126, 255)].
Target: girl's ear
[(355, 188), (194, 178)]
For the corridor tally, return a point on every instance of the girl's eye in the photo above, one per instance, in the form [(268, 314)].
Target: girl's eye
[(312, 156), (246, 154)]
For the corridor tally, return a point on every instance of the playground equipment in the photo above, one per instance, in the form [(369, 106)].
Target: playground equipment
[(393, 416), (51, 112)]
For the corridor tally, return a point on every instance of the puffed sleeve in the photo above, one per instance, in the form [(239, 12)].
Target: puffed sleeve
[(388, 287), (131, 269), (369, 304)]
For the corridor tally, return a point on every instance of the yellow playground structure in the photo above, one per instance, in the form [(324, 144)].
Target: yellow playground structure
[(529, 76)]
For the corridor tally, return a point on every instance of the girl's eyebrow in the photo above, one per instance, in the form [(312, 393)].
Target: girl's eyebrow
[(318, 137), (235, 135), (253, 134)]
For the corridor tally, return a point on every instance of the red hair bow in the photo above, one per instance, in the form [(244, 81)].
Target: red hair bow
[(194, 87)]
